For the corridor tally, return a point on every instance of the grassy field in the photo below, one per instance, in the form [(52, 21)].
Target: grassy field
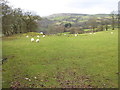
[(85, 61)]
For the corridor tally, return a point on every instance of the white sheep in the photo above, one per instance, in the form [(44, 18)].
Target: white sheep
[(29, 80), (64, 34), (75, 35), (38, 36), (43, 35), (35, 77), (111, 32), (37, 40), (94, 33), (32, 39), (41, 32), (90, 33), (27, 36), (26, 78)]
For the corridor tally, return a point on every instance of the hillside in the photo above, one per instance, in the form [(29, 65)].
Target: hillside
[(73, 17), (76, 20), (65, 14)]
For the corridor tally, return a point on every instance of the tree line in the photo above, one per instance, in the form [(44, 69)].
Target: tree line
[(15, 21)]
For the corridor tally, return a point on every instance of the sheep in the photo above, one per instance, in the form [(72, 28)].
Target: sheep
[(27, 36), (38, 36), (32, 39), (90, 33), (37, 40), (75, 35), (26, 78), (43, 35), (29, 80), (94, 33), (35, 77), (111, 32), (41, 32), (64, 34)]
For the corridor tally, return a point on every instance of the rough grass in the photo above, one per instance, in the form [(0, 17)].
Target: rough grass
[(85, 61)]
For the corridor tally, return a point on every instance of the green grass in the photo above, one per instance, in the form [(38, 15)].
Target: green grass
[(60, 17), (61, 61)]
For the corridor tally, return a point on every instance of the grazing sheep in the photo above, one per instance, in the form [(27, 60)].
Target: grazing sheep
[(43, 35), (37, 40), (90, 33), (26, 78), (27, 36), (94, 33), (41, 32), (75, 35), (64, 34), (32, 39), (35, 77), (111, 32), (38, 36)]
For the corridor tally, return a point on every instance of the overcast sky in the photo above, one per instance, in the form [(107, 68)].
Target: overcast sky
[(48, 7)]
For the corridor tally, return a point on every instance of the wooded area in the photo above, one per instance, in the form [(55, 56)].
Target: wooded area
[(16, 21)]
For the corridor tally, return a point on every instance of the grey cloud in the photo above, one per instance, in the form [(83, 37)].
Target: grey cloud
[(108, 4)]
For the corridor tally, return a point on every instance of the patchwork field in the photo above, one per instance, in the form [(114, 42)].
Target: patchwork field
[(85, 61)]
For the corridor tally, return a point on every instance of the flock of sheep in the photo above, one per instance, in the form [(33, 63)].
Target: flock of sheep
[(38, 40)]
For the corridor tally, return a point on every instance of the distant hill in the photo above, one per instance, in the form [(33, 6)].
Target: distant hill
[(65, 14), (73, 19), (73, 15)]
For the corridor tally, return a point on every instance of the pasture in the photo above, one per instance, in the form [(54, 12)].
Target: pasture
[(85, 61)]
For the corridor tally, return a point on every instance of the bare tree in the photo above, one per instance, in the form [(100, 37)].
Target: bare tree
[(92, 23), (114, 16), (30, 20)]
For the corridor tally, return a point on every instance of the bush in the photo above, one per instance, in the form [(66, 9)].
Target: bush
[(74, 30), (100, 28), (31, 34)]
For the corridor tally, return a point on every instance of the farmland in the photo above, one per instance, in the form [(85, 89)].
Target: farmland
[(57, 61)]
